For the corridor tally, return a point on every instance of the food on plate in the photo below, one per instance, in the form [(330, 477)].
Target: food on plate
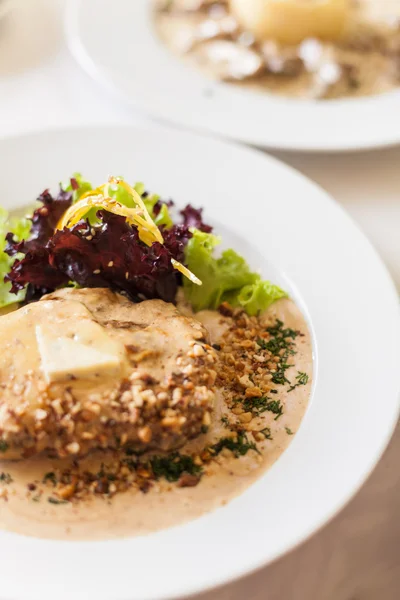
[(301, 48), (91, 348), (145, 378), (292, 21)]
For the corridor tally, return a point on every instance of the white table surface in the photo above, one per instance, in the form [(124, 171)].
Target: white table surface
[(356, 557)]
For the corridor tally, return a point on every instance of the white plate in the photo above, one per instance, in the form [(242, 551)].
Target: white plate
[(117, 46), (275, 217)]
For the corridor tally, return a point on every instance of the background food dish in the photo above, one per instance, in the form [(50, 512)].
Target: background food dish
[(343, 409), (187, 98), (306, 50), (5, 7)]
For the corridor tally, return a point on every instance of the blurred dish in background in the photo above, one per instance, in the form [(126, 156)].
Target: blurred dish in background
[(124, 52), (5, 7), (327, 49)]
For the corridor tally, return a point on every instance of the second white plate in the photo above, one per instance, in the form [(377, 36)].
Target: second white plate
[(118, 47)]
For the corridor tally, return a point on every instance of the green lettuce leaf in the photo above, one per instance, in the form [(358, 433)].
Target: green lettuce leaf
[(20, 228), (227, 278), (258, 296), (83, 187)]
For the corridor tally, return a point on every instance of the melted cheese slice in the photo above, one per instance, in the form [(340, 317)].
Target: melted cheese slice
[(292, 21), (70, 358)]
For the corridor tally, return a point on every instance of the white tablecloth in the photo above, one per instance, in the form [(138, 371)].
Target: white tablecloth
[(357, 556)]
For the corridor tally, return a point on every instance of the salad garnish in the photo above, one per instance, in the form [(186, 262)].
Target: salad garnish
[(122, 237), (137, 215)]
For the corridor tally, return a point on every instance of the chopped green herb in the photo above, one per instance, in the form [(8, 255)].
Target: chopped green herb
[(262, 343), (281, 345), (275, 407), (301, 378), (172, 467), (3, 446), (131, 451), (289, 431), (53, 500), (50, 477), (131, 463), (266, 433), (36, 498), (279, 376), (225, 421), (279, 332), (239, 446), (5, 478), (204, 428), (260, 405)]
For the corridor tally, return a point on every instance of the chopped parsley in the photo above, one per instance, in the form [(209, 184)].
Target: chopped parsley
[(131, 451), (51, 476), (289, 431), (172, 467), (225, 421), (262, 343), (279, 377), (131, 463), (102, 474), (53, 500), (280, 334), (239, 445), (260, 405), (301, 379), (5, 478), (266, 432), (281, 345), (275, 407), (3, 446)]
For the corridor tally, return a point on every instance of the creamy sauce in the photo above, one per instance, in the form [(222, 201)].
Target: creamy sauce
[(364, 61), (164, 505)]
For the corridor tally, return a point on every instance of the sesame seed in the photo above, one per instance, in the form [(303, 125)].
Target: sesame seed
[(111, 263), (96, 272)]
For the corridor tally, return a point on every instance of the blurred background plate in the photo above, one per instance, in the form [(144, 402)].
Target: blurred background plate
[(5, 7), (116, 44)]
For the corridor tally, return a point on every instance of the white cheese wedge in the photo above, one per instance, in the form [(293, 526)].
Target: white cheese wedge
[(66, 358)]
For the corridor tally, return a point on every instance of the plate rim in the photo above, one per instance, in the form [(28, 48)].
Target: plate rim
[(228, 145), (375, 104)]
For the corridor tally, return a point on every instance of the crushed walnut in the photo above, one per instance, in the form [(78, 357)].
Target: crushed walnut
[(250, 364)]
